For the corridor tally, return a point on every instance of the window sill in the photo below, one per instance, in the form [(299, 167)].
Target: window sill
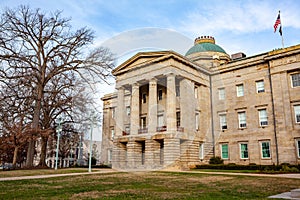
[(263, 126)]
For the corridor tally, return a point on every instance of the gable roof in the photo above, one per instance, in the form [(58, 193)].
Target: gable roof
[(147, 58)]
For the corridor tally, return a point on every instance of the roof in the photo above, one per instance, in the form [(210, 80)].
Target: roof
[(204, 47)]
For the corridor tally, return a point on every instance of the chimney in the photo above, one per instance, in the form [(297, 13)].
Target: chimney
[(238, 56)]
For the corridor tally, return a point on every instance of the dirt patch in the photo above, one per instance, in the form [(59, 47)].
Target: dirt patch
[(90, 195)]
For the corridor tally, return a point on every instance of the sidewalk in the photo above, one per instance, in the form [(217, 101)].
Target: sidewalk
[(294, 175), (104, 171)]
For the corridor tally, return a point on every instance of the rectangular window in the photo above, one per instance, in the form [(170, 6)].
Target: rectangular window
[(197, 120), (178, 119), (297, 113), (240, 90), (260, 86), (113, 113), (160, 94), (177, 90), (144, 97), (265, 149), (263, 117), (223, 122), (298, 147), (128, 110), (109, 155), (244, 150), (224, 151), (143, 122), (295, 80), (201, 153), (221, 93), (196, 92), (160, 120), (242, 119), (127, 130), (112, 133)]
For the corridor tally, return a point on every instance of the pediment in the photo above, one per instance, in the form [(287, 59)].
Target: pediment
[(138, 59), (148, 58)]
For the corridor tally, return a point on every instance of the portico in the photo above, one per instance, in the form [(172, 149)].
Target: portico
[(156, 110)]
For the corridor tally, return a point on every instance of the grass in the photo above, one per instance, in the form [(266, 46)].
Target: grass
[(147, 185)]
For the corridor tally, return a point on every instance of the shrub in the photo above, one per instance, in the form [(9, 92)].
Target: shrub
[(215, 160)]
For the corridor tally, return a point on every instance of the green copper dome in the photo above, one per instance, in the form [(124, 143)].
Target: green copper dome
[(204, 44)]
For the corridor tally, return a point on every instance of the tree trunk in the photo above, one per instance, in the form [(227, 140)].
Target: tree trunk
[(15, 156), (44, 142), (35, 126)]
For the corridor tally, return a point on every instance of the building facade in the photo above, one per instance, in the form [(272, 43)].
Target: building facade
[(174, 111)]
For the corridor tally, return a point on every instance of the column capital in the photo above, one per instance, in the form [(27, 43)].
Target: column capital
[(170, 74), (136, 84), (120, 87)]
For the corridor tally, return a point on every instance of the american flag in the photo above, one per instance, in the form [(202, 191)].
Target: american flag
[(277, 22)]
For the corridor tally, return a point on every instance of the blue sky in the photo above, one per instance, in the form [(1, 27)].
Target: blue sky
[(237, 25), (128, 26)]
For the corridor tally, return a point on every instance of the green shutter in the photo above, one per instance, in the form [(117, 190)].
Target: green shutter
[(225, 151)]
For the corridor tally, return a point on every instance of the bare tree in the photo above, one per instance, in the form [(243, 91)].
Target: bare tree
[(40, 47)]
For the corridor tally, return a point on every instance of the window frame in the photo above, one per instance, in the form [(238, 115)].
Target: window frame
[(240, 120), (178, 119), (160, 95), (201, 150), (297, 140), (112, 133), (160, 120), (197, 121), (240, 92), (223, 122), (221, 147), (109, 155), (113, 112), (128, 110), (143, 122), (260, 88), (221, 92), (242, 152), (196, 92), (263, 120), (297, 81), (144, 97), (297, 113), (262, 150)]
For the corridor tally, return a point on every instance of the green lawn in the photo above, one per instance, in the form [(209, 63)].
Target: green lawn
[(147, 185)]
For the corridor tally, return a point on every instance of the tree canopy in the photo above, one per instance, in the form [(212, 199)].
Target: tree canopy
[(45, 67)]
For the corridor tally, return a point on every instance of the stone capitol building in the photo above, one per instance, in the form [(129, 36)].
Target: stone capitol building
[(175, 111)]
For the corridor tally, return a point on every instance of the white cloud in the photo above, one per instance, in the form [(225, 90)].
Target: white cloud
[(239, 17), (148, 38)]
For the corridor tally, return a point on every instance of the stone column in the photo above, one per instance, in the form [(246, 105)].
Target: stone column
[(171, 103), (135, 110), (149, 153), (187, 105), (171, 151), (131, 154), (152, 110), (120, 112)]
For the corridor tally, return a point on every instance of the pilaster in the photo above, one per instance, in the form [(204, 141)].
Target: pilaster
[(120, 112)]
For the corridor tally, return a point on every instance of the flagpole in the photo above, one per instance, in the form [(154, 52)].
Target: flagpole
[(280, 29)]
